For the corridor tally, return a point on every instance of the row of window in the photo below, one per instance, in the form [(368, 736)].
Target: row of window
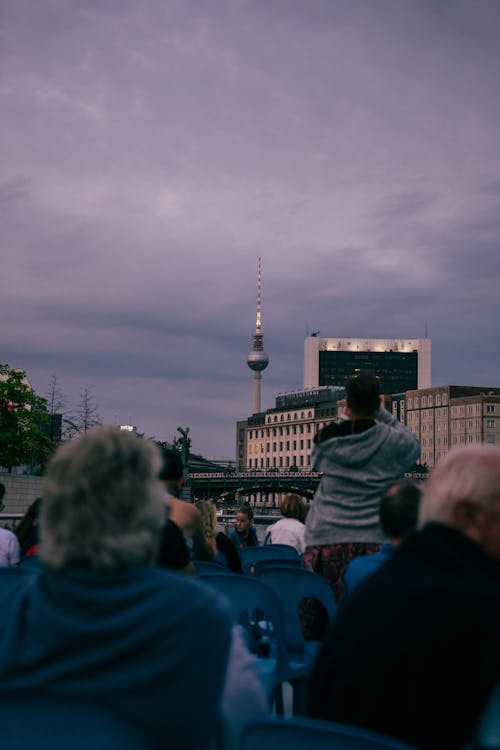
[(416, 402), (279, 462), (293, 430), (295, 445), (288, 417)]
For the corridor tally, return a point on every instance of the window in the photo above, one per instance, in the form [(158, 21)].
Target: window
[(490, 408), (490, 438), (490, 423)]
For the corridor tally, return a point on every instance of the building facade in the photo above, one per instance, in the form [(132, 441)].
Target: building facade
[(450, 416), (282, 437), (400, 364)]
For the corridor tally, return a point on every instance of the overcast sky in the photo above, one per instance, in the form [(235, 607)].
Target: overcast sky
[(151, 150)]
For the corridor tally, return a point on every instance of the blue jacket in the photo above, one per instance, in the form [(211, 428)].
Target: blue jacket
[(151, 644), (364, 566)]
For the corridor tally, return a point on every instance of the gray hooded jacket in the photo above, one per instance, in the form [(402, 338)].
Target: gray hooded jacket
[(357, 469)]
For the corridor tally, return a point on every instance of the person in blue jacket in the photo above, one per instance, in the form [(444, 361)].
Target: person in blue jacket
[(100, 620), (398, 512)]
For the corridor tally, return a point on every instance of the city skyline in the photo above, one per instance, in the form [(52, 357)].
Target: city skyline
[(152, 150)]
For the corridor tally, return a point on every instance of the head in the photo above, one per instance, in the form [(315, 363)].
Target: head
[(398, 510), (208, 518), (362, 396), (102, 506), (293, 506), (244, 518), (27, 528), (463, 491), (172, 471), (2, 493)]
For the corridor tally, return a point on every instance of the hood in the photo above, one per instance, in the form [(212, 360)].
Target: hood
[(353, 451)]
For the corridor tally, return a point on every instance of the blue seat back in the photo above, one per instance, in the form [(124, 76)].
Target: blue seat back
[(208, 567), (312, 734), (292, 585), (250, 598), (251, 555), (279, 563)]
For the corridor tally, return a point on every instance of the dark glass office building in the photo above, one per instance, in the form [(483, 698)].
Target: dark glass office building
[(398, 371)]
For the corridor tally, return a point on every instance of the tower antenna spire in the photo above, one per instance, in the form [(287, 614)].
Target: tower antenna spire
[(258, 323), (257, 360)]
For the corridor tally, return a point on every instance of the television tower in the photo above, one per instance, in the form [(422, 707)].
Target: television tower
[(257, 360)]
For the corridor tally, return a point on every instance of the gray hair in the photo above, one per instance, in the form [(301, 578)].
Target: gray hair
[(471, 474), (102, 506)]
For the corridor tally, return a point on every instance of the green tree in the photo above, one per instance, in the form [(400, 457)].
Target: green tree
[(23, 422)]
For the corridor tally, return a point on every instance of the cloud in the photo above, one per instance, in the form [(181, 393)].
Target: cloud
[(153, 150)]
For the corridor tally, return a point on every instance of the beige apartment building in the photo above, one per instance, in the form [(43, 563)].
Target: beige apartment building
[(282, 437), (442, 418), (450, 416)]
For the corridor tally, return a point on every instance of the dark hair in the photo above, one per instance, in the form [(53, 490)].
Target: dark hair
[(398, 509), (27, 528), (2, 490), (363, 394), (172, 468), (247, 510)]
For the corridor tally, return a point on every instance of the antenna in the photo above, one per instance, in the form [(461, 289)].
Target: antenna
[(258, 324)]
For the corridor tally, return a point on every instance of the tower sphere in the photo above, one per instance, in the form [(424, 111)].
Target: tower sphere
[(257, 360)]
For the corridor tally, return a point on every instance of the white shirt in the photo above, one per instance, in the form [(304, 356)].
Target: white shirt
[(10, 552), (288, 531)]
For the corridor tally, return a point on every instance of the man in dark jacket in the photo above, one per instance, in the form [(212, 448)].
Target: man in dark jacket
[(415, 652)]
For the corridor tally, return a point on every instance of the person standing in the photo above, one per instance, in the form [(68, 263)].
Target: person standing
[(359, 459)]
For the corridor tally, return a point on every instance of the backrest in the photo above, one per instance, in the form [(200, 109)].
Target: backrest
[(312, 734), (279, 563), (251, 555), (208, 567), (293, 585), (248, 595), (61, 722)]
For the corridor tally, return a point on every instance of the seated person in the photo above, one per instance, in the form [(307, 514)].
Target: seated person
[(27, 531), (244, 533), (290, 529), (182, 535), (10, 552), (398, 513), (100, 619), (223, 549)]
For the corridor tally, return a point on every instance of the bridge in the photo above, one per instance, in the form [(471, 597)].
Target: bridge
[(231, 485), (259, 487)]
